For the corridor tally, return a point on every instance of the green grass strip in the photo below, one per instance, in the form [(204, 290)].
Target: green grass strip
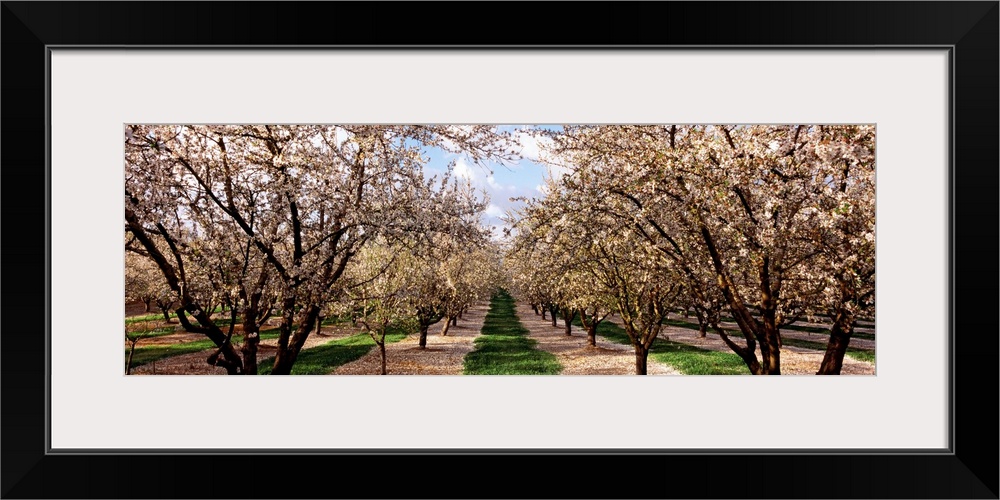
[(323, 359), (504, 348), (687, 359)]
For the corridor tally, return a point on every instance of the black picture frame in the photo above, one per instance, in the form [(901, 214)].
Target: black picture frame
[(968, 470)]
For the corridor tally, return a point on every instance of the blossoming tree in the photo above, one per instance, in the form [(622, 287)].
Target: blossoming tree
[(305, 198), (762, 219)]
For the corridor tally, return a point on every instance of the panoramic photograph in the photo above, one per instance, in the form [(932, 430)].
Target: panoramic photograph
[(484, 249)]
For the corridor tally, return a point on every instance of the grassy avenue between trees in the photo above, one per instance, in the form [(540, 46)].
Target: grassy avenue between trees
[(504, 347)]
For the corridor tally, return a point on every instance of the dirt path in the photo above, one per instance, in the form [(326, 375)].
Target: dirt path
[(444, 355), (794, 360), (578, 358)]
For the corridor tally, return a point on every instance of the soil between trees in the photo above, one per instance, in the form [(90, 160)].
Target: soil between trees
[(442, 356)]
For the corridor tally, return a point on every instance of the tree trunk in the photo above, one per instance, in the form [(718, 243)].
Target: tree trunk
[(128, 362), (840, 337), (444, 329), (702, 323), (641, 353), (592, 334), (251, 338), (319, 324), (423, 335), (753, 331), (569, 321), (166, 314), (543, 312), (381, 347), (146, 304), (772, 358), (284, 358), (770, 346), (249, 349), (253, 320), (232, 361), (454, 319), (552, 314), (288, 351), (283, 362)]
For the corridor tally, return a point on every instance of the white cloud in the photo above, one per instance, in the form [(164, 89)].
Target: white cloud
[(493, 210), (532, 147), (538, 149), (479, 176), (492, 182), (465, 171)]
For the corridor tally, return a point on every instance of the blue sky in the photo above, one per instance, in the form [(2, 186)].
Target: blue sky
[(499, 182)]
